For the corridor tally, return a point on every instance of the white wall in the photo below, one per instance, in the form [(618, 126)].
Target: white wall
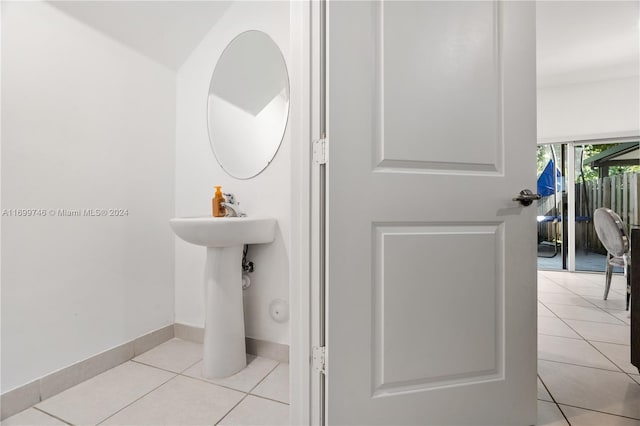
[(86, 123), (197, 172), (590, 110)]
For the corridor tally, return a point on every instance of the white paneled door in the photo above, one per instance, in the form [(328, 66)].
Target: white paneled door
[(431, 285)]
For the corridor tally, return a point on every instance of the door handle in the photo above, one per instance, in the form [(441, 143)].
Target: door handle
[(526, 197)]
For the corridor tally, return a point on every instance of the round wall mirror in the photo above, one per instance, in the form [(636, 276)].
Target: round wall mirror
[(248, 104)]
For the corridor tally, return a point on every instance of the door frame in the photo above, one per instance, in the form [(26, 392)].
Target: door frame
[(306, 74)]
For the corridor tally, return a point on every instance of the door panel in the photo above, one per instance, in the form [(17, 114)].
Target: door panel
[(405, 357), (431, 297), (453, 96)]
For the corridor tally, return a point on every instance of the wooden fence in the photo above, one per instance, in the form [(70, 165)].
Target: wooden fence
[(618, 192)]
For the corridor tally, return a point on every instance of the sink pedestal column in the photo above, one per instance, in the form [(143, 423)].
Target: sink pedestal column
[(224, 344)]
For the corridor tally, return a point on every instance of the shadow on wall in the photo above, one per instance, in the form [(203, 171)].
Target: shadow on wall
[(172, 29)]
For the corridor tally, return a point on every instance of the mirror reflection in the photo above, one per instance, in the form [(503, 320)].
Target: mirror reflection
[(248, 104)]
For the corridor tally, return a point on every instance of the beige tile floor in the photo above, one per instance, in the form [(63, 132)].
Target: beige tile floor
[(164, 386), (584, 373)]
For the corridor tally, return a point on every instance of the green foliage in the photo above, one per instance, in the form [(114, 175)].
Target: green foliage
[(544, 155), (590, 173)]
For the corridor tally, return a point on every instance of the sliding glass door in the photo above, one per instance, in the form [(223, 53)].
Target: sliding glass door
[(574, 180), (551, 178)]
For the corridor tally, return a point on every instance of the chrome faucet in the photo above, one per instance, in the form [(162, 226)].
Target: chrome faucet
[(233, 208)]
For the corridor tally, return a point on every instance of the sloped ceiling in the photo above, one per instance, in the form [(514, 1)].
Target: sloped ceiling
[(577, 41), (580, 41), (165, 31)]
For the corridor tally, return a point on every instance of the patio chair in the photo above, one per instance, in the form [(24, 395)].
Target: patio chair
[(613, 236)]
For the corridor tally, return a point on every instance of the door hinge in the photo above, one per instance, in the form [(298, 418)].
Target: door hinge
[(320, 359), (320, 151)]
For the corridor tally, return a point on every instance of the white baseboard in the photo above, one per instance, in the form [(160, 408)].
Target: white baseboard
[(25, 396), (28, 395), (276, 351)]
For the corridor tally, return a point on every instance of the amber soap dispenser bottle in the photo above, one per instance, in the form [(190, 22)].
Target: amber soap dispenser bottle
[(216, 203)]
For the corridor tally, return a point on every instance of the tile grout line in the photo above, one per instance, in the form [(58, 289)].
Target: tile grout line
[(588, 341), (591, 304), (543, 304), (181, 373), (583, 338), (620, 370), (563, 414), (612, 361), (51, 415), (539, 377), (231, 409), (211, 383), (598, 411), (564, 337), (579, 295), (553, 399), (200, 379), (203, 381), (618, 320), (596, 322), (135, 400), (269, 399), (628, 324), (156, 367), (585, 366), (547, 389), (264, 378), (590, 344), (174, 375), (190, 366), (247, 394), (139, 398)]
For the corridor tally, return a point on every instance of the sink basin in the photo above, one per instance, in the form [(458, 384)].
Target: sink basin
[(224, 238), (224, 231)]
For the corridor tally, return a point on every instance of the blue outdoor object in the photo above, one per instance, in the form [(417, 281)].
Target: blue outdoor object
[(545, 180)]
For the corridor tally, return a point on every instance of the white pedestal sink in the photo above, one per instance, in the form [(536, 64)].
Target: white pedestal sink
[(224, 238)]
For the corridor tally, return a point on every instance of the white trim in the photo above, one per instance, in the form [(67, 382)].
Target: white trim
[(272, 350), (315, 304), (22, 397), (300, 266), (627, 135), (571, 204)]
